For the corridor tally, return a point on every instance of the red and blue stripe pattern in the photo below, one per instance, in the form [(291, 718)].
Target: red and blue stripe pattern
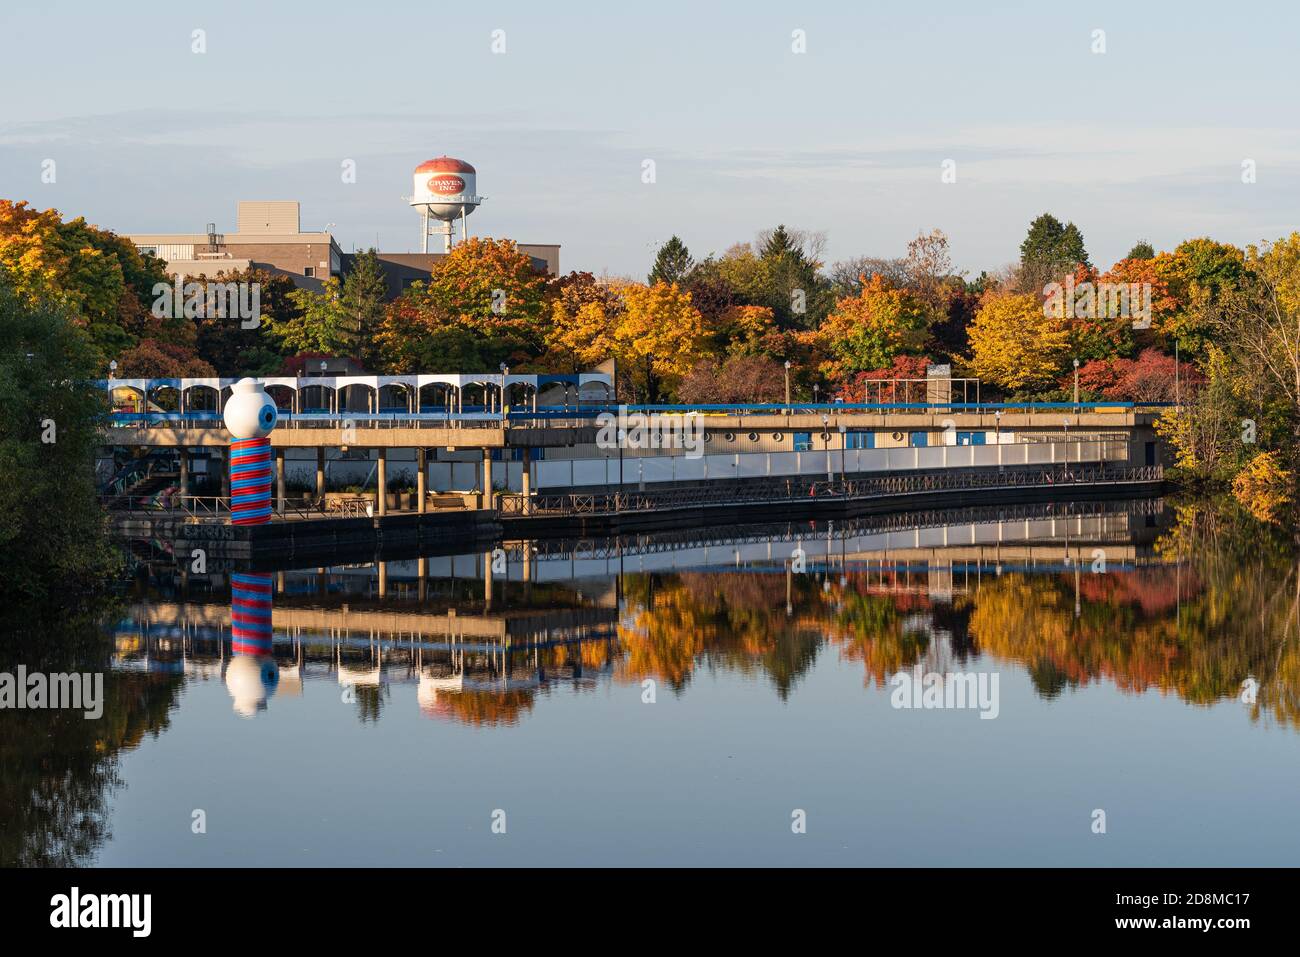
[(250, 481), (250, 613)]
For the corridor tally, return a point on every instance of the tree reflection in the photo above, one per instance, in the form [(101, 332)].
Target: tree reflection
[(1216, 606), (58, 769)]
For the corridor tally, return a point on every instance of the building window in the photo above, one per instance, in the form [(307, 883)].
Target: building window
[(970, 438), (309, 271), (148, 250), (803, 441), (918, 440), (856, 439)]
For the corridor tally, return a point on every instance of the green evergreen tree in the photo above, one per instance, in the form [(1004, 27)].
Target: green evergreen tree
[(799, 297), (673, 262), (363, 299), (1049, 251), (1142, 250)]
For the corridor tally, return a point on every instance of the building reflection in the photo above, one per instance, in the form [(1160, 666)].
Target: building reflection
[(1073, 594)]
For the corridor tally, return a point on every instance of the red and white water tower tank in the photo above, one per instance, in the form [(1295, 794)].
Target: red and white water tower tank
[(444, 193)]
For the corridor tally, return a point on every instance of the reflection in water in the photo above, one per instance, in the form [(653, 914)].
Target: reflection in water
[(1196, 604), (58, 770), (252, 673), (1105, 592)]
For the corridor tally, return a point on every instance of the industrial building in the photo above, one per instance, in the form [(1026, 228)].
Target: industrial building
[(268, 235)]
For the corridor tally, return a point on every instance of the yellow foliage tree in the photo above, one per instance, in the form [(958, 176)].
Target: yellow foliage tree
[(1016, 345), (658, 336), (579, 338)]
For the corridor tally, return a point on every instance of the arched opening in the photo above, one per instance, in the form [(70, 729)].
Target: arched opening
[(163, 396), (438, 398), (395, 397), (201, 401)]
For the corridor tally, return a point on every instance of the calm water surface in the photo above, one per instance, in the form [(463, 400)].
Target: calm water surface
[(677, 700)]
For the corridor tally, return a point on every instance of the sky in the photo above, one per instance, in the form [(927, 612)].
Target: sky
[(1145, 140)]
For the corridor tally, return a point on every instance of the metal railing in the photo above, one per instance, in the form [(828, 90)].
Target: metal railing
[(790, 490)]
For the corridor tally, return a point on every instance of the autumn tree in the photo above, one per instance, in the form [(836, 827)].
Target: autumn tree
[(867, 331), (1258, 323), (151, 359), (657, 338), (488, 286), (1197, 275), (581, 336), (1015, 345), (417, 334), (105, 282), (736, 379), (929, 270)]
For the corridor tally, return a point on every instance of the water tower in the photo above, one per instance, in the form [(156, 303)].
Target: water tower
[(444, 192)]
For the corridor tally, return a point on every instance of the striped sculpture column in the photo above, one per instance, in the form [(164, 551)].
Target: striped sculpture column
[(250, 481), (250, 613), (250, 416)]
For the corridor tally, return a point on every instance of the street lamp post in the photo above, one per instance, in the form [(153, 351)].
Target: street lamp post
[(997, 435), (844, 448), (1076, 386), (826, 441), (1066, 422), (787, 386), (505, 370)]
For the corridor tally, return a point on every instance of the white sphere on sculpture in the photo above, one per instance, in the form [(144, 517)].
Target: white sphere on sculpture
[(250, 412)]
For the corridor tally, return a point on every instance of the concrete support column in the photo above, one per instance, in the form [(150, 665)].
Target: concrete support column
[(527, 479), (422, 572), (185, 471), (485, 498), (421, 479), (320, 472), (528, 561), (383, 579), (279, 480), (383, 482), (487, 579)]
